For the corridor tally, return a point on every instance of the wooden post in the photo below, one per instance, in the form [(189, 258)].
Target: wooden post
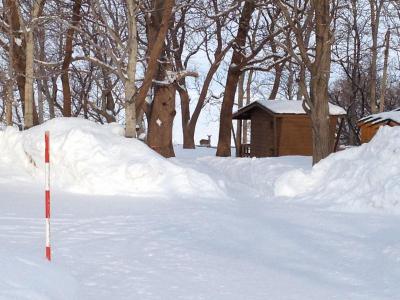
[(338, 134), (276, 152), (239, 139)]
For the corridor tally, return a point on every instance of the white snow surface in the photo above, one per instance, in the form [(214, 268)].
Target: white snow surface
[(359, 178), (174, 239), (393, 115), (90, 158), (295, 107)]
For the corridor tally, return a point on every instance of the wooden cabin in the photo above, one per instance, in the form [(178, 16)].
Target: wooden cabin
[(281, 127), (370, 125)]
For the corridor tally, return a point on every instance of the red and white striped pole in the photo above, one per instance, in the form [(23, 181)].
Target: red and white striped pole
[(47, 193)]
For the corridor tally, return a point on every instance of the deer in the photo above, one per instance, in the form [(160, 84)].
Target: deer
[(206, 143)]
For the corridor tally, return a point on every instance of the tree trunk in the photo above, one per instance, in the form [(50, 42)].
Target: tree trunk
[(29, 100), (162, 113), (187, 129), (224, 138), (161, 120), (18, 45), (385, 72), (239, 122), (320, 72), (277, 81), (320, 119), (9, 102), (30, 115), (375, 20), (159, 20), (130, 85), (76, 16), (290, 82), (188, 138), (40, 102), (248, 97)]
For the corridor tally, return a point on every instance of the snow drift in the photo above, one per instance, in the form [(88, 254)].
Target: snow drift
[(358, 178), (96, 159)]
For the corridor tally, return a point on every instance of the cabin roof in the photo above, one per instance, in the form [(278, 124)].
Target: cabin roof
[(282, 107), (387, 116)]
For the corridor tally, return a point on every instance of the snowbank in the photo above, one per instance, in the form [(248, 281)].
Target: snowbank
[(96, 159), (253, 177), (363, 177)]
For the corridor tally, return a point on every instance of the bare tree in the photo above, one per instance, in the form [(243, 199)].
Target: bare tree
[(318, 15)]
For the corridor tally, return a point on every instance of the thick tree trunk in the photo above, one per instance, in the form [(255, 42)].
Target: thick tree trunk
[(162, 113), (29, 100), (320, 72), (224, 138), (188, 138), (187, 128), (322, 143), (30, 114), (18, 45), (76, 16), (159, 20), (161, 120)]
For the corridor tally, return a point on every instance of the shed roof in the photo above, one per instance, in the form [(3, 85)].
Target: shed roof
[(387, 116), (288, 107)]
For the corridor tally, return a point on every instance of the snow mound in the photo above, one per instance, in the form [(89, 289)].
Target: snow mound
[(360, 178), (96, 159)]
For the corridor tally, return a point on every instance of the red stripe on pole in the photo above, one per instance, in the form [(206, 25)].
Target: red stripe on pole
[(47, 150), (48, 253), (47, 192)]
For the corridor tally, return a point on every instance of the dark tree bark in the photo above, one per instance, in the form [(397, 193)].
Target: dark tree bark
[(316, 97), (224, 138), (76, 16), (162, 113), (320, 71)]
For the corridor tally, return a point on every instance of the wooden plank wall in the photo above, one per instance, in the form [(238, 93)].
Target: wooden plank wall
[(262, 134), (295, 135)]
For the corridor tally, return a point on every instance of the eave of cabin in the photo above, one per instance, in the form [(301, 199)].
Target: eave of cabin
[(245, 112), (379, 118)]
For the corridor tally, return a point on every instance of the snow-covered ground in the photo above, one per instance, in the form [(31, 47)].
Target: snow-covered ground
[(128, 224)]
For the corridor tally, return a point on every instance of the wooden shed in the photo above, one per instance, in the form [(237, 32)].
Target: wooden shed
[(369, 125), (281, 127)]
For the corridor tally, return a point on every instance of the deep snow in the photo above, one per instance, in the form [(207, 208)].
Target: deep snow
[(225, 236), (357, 179)]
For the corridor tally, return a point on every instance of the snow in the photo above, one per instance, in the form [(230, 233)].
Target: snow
[(18, 41), (393, 115), (224, 236), (295, 107), (93, 159), (360, 178)]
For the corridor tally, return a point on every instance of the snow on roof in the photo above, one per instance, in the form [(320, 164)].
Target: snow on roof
[(295, 107), (393, 115)]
